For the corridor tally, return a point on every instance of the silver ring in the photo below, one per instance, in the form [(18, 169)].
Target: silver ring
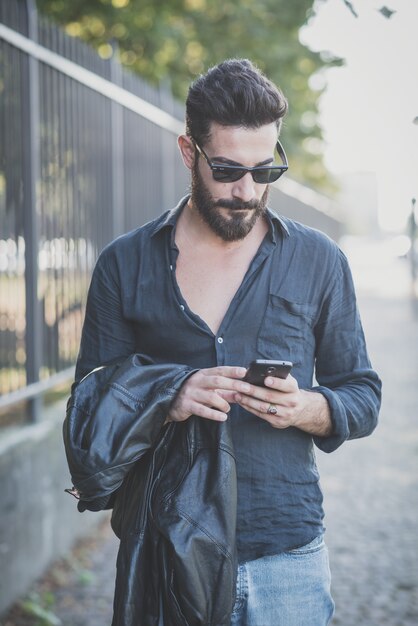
[(272, 410)]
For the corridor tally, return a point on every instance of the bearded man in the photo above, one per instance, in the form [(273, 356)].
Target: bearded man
[(222, 280)]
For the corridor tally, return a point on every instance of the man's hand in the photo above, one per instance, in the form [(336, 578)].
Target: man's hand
[(207, 393), (283, 404)]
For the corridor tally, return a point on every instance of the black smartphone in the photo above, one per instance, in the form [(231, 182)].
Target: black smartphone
[(259, 369)]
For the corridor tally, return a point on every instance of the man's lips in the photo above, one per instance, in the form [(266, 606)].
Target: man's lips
[(236, 207)]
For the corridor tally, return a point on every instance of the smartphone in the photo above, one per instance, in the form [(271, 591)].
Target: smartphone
[(259, 369)]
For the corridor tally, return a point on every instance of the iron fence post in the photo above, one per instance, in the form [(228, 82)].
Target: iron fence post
[(117, 151), (169, 152), (31, 177)]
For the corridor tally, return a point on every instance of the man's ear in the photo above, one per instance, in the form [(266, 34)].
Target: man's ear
[(187, 149)]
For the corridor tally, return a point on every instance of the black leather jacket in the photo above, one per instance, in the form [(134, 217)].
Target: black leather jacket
[(172, 488)]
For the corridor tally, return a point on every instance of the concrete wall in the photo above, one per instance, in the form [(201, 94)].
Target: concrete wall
[(38, 521)]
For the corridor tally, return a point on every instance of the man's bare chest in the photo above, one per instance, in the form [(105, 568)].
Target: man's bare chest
[(209, 285)]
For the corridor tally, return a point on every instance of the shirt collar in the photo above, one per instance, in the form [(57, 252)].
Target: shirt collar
[(170, 219), (276, 223)]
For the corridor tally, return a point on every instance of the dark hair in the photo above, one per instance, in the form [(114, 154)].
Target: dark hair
[(233, 93)]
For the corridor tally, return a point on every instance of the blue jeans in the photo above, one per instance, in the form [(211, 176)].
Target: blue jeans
[(288, 589)]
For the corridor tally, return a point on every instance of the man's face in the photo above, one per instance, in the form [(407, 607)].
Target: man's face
[(232, 209)]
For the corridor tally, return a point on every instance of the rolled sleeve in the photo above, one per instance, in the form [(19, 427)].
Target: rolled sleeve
[(343, 369)]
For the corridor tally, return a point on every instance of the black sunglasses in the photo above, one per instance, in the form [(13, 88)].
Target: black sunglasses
[(262, 174)]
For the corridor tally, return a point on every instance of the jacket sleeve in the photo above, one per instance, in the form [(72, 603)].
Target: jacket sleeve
[(343, 369), (114, 415)]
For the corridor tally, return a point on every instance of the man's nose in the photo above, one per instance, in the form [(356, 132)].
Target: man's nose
[(245, 188)]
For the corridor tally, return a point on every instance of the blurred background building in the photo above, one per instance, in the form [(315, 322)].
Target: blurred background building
[(358, 198)]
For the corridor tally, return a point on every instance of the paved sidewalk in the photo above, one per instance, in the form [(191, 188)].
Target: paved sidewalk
[(371, 485), (370, 488)]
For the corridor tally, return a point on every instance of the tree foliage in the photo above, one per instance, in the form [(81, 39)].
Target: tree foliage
[(175, 40)]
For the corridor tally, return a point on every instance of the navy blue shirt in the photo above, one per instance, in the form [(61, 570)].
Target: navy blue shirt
[(296, 303)]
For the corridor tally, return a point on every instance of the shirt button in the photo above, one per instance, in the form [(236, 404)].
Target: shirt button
[(182, 307), (171, 267), (220, 340)]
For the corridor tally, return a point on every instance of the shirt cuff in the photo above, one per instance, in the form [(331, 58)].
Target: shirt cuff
[(340, 430)]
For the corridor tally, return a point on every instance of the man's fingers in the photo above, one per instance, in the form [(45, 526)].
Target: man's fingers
[(227, 394), (228, 371), (207, 393), (286, 385), (281, 419), (183, 410), (214, 400), (199, 400), (201, 410), (214, 379)]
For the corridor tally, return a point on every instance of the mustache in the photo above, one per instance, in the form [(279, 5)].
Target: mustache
[(237, 205)]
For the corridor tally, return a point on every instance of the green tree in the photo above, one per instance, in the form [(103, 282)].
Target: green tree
[(175, 40)]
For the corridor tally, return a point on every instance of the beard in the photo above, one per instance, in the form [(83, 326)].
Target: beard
[(235, 225)]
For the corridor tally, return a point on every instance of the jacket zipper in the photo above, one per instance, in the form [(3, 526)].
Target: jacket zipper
[(151, 482)]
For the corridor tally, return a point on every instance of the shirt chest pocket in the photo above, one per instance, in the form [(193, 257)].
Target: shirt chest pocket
[(287, 331)]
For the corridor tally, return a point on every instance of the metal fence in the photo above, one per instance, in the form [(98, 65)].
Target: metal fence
[(87, 151)]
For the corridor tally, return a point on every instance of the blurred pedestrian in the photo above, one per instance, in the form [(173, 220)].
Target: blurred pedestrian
[(213, 284), (412, 234)]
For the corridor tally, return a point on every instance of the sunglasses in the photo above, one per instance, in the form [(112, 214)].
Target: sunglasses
[(262, 174)]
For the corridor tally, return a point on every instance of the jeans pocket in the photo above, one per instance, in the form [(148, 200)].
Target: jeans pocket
[(241, 589), (315, 545)]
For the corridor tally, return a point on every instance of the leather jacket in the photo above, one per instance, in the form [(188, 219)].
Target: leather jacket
[(172, 488)]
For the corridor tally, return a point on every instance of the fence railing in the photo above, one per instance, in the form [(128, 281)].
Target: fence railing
[(87, 151)]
